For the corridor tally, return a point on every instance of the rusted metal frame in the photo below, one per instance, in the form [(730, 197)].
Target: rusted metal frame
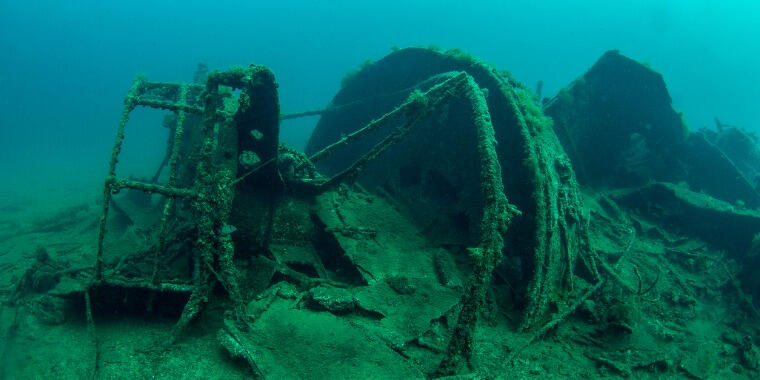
[(112, 183)]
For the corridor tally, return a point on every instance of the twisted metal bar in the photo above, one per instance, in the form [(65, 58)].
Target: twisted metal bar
[(113, 184), (172, 192), (181, 106)]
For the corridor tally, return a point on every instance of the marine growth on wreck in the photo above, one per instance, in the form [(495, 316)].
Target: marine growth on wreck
[(444, 221)]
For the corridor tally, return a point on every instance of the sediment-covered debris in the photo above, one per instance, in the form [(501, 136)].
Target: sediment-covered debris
[(700, 183), (619, 128)]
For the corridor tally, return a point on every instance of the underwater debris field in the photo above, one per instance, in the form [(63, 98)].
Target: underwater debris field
[(444, 221)]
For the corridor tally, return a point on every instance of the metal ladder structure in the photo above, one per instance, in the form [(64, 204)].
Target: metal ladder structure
[(178, 98), (214, 182)]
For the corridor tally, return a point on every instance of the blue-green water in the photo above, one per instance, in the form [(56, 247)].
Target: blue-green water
[(66, 65)]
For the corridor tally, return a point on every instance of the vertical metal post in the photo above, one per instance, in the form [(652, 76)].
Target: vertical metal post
[(129, 104), (173, 168)]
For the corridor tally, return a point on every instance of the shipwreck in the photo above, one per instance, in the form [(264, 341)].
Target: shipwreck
[(443, 221)]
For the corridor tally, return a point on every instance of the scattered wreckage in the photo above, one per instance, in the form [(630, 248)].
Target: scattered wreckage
[(434, 226)]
